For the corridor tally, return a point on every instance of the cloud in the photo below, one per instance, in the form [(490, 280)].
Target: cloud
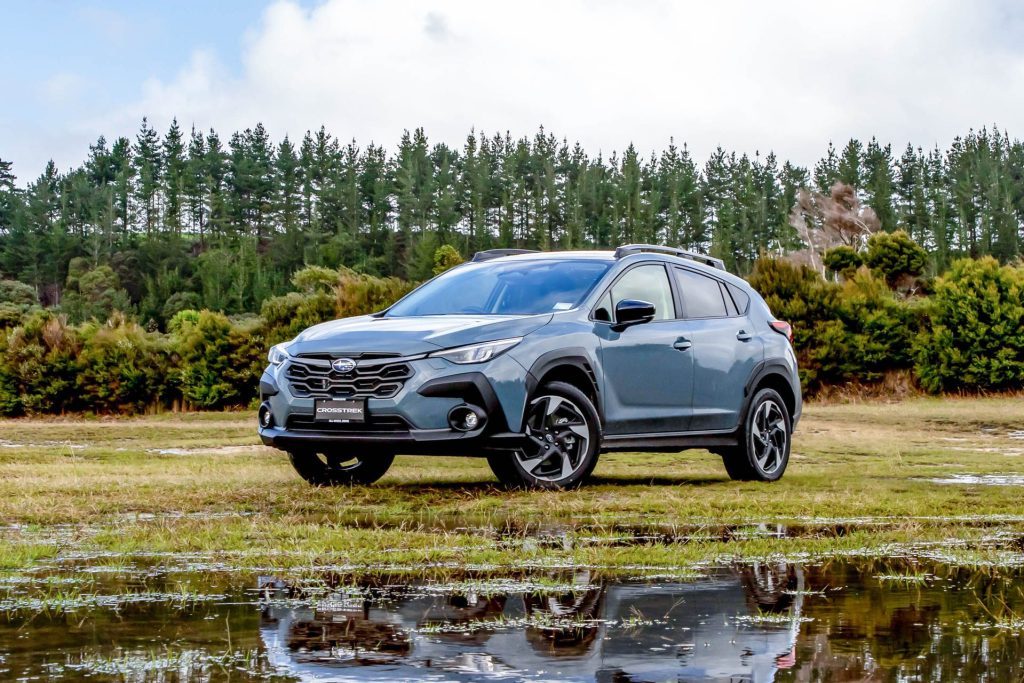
[(782, 76), (62, 88)]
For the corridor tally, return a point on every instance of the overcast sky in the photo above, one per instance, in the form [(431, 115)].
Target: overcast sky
[(782, 76)]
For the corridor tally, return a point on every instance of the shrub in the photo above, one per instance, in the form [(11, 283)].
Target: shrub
[(854, 331), (217, 358), (446, 257), (38, 365), (361, 294), (286, 316), (18, 293), (179, 301), (843, 260), (975, 333), (121, 368), (313, 279), (94, 294), (895, 257), (880, 327)]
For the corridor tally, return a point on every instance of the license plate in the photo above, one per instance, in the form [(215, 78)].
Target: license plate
[(340, 411)]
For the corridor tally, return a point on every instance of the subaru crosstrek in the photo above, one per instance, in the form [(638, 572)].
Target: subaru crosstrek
[(539, 362)]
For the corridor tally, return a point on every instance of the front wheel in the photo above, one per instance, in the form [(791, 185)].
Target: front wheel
[(764, 451), (331, 468), (563, 435)]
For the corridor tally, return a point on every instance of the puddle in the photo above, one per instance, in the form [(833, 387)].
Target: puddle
[(982, 479), (849, 620), (209, 450)]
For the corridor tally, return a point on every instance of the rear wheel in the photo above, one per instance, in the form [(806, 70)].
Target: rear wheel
[(764, 453), (563, 435), (332, 468)]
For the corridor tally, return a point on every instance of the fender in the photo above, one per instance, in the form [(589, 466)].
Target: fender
[(575, 356), (763, 369)]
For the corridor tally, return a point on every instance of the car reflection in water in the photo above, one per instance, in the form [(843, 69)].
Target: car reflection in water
[(735, 624)]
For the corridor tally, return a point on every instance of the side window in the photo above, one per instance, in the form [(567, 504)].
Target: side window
[(646, 283), (741, 298), (702, 296), (603, 311)]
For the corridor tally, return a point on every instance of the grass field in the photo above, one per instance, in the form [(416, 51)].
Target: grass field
[(939, 477)]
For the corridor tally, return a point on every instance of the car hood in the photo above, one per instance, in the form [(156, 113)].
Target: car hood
[(411, 335)]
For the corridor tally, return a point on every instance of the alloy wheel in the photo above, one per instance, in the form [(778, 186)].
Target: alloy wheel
[(559, 437), (768, 435)]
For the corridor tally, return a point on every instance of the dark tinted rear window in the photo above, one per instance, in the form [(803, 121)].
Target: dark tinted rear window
[(741, 298), (702, 297)]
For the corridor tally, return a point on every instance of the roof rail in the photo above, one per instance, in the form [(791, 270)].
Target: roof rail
[(498, 253), (628, 249)]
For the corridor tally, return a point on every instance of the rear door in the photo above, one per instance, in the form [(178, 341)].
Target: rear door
[(725, 347), (647, 368)]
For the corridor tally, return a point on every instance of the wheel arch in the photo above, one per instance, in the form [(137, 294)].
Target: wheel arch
[(771, 376), (572, 366)]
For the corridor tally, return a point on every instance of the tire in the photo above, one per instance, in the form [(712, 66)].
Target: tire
[(330, 468), (761, 458), (565, 433)]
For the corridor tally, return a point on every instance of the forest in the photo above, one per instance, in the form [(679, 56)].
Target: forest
[(158, 273), (187, 219)]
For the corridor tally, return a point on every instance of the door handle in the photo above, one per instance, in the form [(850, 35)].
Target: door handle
[(743, 335), (682, 344)]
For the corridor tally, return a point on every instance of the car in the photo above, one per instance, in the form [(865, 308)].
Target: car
[(541, 361)]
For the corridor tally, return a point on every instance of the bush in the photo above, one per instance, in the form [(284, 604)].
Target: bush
[(121, 368), (38, 365), (179, 301), (220, 361), (313, 279), (843, 260), (94, 294), (446, 257), (17, 293), (895, 257), (361, 294), (975, 333), (286, 316), (856, 331)]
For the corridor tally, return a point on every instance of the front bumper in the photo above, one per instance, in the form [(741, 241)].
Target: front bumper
[(415, 420)]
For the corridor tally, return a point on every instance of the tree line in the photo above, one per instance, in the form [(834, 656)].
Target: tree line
[(188, 220)]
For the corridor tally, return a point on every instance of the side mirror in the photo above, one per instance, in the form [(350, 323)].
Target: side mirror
[(632, 312)]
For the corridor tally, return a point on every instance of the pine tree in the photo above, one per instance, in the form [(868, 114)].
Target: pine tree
[(877, 177), (849, 170), (147, 162), (174, 178)]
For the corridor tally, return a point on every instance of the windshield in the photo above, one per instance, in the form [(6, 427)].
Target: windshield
[(507, 288)]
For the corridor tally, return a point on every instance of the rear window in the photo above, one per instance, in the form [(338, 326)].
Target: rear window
[(741, 298), (702, 296)]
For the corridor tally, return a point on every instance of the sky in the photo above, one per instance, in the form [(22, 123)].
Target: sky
[(783, 76)]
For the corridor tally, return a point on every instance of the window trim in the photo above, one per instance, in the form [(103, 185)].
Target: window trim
[(671, 289)]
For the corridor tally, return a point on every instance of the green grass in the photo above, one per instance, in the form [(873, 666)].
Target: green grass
[(78, 488)]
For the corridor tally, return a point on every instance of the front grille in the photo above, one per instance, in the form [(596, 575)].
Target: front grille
[(374, 424), (316, 378)]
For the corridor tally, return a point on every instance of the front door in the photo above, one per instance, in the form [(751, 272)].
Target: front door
[(648, 368)]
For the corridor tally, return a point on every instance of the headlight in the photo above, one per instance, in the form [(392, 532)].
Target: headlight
[(278, 354), (477, 353)]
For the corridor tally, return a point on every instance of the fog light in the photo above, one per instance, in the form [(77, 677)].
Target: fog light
[(466, 418), (265, 416)]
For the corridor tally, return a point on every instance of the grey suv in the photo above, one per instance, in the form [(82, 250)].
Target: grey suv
[(539, 362)]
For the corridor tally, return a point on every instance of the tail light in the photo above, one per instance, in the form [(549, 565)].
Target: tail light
[(783, 328)]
